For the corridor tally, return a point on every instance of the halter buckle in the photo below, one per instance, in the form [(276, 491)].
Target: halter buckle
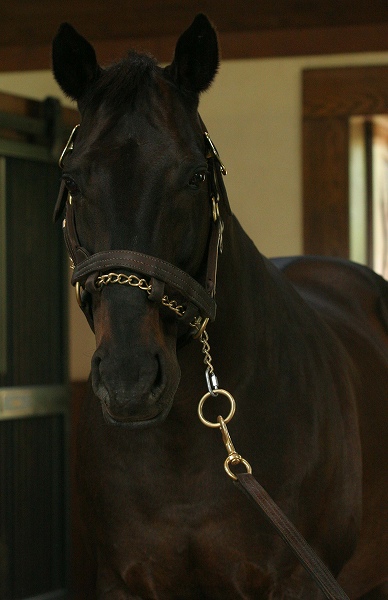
[(69, 147), (215, 209), (214, 153)]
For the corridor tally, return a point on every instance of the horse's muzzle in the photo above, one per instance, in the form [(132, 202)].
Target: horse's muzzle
[(135, 395)]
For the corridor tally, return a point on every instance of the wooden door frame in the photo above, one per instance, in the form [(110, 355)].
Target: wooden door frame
[(330, 97)]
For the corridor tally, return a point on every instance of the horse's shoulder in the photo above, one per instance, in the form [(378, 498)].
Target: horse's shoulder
[(348, 289)]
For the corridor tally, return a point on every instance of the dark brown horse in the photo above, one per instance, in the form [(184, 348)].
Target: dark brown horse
[(302, 345)]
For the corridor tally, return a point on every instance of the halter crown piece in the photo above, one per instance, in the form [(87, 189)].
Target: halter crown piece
[(91, 272)]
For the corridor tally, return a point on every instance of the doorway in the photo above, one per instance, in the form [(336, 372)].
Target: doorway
[(331, 97)]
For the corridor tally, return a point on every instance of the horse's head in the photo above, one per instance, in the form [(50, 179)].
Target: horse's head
[(136, 173)]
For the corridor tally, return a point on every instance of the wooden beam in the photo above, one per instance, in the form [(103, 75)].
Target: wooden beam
[(306, 41), (34, 22), (234, 45), (345, 92)]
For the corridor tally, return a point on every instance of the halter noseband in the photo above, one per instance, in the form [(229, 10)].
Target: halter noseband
[(92, 271)]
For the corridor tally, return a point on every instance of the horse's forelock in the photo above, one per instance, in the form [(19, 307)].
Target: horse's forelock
[(121, 82)]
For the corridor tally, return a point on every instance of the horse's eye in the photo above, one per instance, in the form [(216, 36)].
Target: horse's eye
[(197, 179), (72, 187)]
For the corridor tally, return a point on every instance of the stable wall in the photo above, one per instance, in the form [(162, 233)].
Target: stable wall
[(253, 113)]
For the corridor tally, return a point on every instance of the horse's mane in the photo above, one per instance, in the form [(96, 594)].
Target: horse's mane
[(122, 81)]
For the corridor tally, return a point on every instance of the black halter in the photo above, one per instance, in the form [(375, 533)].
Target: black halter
[(87, 268)]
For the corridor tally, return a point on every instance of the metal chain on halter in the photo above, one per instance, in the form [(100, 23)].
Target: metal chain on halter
[(233, 458), (143, 284)]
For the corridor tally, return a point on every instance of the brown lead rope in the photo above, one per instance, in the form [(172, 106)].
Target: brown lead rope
[(291, 536), (251, 487)]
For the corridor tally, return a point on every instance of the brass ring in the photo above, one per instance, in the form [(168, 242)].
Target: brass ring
[(231, 412)]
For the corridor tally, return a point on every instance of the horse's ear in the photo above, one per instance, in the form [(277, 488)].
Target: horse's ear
[(74, 62), (196, 59)]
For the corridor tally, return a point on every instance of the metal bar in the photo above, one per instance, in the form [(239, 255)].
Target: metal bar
[(37, 127), (3, 269), (38, 400), (55, 595), (24, 150), (22, 124)]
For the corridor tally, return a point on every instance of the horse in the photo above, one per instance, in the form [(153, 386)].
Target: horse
[(300, 343)]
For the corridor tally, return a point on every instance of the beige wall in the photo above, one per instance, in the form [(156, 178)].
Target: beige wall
[(253, 113)]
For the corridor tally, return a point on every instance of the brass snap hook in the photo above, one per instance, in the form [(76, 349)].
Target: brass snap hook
[(233, 458)]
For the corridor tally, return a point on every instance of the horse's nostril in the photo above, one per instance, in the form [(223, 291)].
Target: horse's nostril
[(158, 381), (96, 360), (96, 376)]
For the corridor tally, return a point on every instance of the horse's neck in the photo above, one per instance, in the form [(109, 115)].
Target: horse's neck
[(246, 287), (240, 279), (255, 305)]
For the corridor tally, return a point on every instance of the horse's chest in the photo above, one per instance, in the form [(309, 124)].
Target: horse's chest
[(171, 532), (188, 551)]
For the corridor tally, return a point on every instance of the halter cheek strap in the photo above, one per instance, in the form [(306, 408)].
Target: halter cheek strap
[(88, 269)]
